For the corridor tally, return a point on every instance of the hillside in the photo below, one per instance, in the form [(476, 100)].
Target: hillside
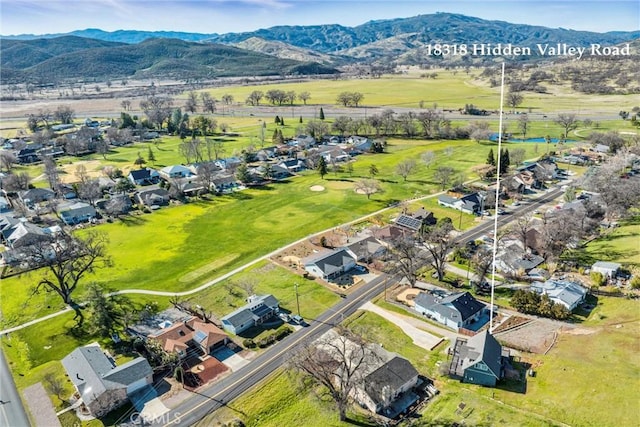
[(47, 59), (287, 51)]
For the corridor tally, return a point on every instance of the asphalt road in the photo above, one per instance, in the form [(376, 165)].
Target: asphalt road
[(12, 413), (229, 388), (223, 392)]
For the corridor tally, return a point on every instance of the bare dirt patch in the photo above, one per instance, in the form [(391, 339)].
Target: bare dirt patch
[(407, 296), (533, 337), (317, 188)]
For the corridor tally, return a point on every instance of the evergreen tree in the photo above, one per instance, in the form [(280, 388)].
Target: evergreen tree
[(280, 138), (491, 158), (151, 156), (504, 161), (242, 174), (274, 138), (300, 121), (322, 167), (277, 120), (321, 114), (281, 121)]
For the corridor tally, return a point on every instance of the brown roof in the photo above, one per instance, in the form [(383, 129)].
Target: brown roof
[(176, 336), (389, 232)]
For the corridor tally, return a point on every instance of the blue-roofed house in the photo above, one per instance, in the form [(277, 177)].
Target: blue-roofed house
[(259, 308), (478, 360), (101, 384), (456, 311), (329, 265)]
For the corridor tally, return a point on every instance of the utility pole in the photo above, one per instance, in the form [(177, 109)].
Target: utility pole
[(297, 299)]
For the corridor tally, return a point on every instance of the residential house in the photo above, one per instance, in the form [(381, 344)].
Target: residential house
[(118, 204), (389, 233), (101, 384), (569, 294), (333, 154), (191, 335), (478, 360), (329, 265), (175, 171), (416, 221), (607, 269), (385, 384), (36, 195), (471, 203), (23, 234), (5, 206), (223, 182), (144, 176), (457, 310), (366, 249), (292, 165), (153, 196), (76, 213), (303, 142), (267, 153), (259, 308), (513, 259), (28, 155)]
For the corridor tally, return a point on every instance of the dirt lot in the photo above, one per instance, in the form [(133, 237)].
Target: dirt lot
[(533, 337)]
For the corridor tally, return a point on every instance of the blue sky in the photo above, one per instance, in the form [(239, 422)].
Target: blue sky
[(223, 16)]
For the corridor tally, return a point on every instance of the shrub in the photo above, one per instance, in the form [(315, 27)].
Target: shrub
[(635, 282), (249, 343), (598, 278)]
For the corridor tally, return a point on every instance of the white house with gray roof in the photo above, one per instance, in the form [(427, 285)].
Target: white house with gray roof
[(259, 308), (607, 269), (569, 294), (457, 310), (329, 265), (478, 360), (102, 385)]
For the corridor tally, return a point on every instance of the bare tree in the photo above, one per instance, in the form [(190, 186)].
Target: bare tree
[(206, 173), (368, 187), (337, 361), (430, 120), (157, 109), (7, 160), (523, 125), (406, 168), (568, 122), (51, 172), (516, 156), (482, 261), (54, 384), (16, 182), (405, 259), (439, 242), (66, 259), (208, 103), (514, 99), (191, 105), (64, 114), (443, 176), (304, 97), (522, 226), (428, 158)]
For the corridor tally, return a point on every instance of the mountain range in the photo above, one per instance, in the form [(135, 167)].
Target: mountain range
[(319, 49)]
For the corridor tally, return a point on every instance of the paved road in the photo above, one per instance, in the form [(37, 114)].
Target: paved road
[(221, 393), (12, 413)]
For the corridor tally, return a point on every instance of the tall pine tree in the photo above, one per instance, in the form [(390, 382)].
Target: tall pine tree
[(322, 167), (321, 114), (491, 159)]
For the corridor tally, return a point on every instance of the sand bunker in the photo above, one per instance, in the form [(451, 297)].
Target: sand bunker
[(317, 188)]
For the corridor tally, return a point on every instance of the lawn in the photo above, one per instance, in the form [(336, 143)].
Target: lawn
[(621, 245), (574, 375)]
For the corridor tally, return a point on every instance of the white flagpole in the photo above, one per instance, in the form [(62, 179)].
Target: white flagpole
[(495, 216)]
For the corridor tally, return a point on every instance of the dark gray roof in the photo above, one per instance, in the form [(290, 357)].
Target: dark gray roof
[(331, 262), (447, 199), (457, 307), (364, 248), (140, 174), (482, 347), (129, 372), (251, 311), (393, 374)]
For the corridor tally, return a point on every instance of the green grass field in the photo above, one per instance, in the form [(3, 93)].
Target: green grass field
[(621, 245), (577, 372)]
